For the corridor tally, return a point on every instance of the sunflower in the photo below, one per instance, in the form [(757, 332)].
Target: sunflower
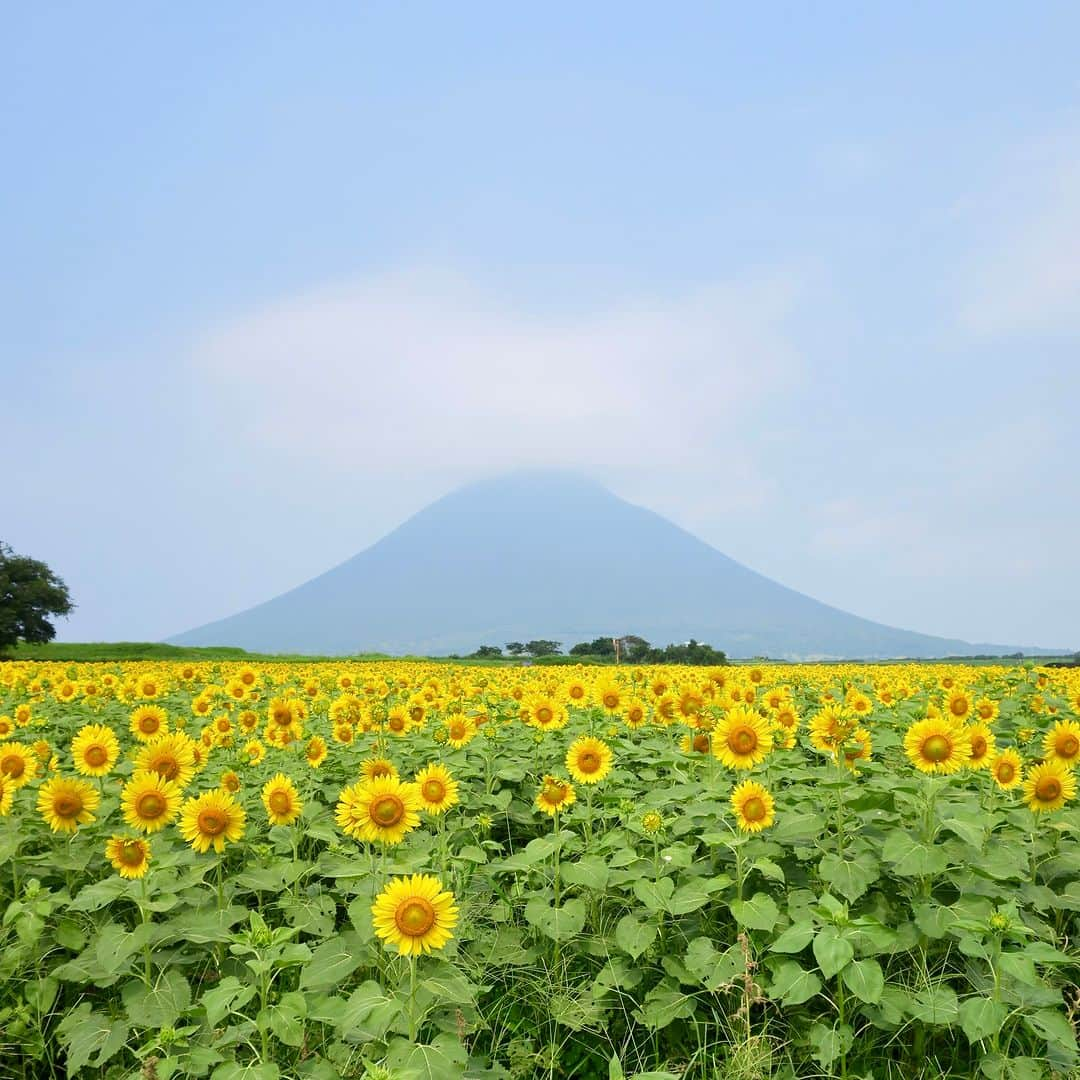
[(381, 811), (937, 745), (7, 796), (701, 743), (255, 751), (665, 710), (1062, 742), (546, 714), (173, 756), (397, 721), (95, 750), (460, 730), (67, 804), (651, 822), (438, 789), (211, 819), (129, 855), (986, 710), (742, 738), (1007, 769), (149, 801), (315, 751), (690, 703), (588, 760), (344, 734), (415, 914), (983, 745), (576, 691), (280, 713), (376, 768), (555, 795), (830, 728), (229, 782), (7, 726), (957, 705), (858, 746), (636, 715), (1049, 786), (281, 799), (18, 766), (753, 807), (23, 714)]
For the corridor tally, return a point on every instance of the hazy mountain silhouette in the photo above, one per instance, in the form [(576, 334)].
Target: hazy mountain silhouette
[(551, 555)]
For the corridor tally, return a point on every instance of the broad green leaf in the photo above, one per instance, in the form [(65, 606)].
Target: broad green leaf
[(663, 1004), (332, 963), (794, 939), (792, 984), (935, 1005), (229, 994), (911, 857), (654, 894), (590, 871), (90, 1038), (865, 979), (981, 1017), (369, 1013), (557, 923), (849, 877), (830, 1043), (758, 913), (634, 936), (161, 1004), (832, 950)]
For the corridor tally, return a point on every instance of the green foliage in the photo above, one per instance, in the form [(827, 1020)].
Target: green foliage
[(31, 595)]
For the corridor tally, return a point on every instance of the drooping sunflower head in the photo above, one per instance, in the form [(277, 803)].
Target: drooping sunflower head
[(438, 789), (129, 855), (211, 820), (1007, 769), (414, 914), (149, 801), (742, 738), (588, 760), (378, 768), (18, 765), (753, 807), (67, 804), (1049, 786), (555, 795), (95, 750), (281, 799), (938, 745), (1062, 742)]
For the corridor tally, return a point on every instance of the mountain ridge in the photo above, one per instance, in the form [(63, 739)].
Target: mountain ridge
[(554, 555)]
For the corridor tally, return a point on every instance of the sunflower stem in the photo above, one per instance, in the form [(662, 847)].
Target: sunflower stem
[(144, 911), (412, 998)]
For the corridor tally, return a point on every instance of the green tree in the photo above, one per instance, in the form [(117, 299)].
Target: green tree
[(515, 648), (29, 594), (487, 652), (543, 647)]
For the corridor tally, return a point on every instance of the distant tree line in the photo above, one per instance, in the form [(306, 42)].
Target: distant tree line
[(629, 649), (30, 596)]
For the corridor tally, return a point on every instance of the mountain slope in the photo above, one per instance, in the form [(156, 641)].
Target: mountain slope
[(548, 555)]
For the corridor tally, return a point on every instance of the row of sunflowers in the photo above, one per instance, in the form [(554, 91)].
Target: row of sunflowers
[(416, 869)]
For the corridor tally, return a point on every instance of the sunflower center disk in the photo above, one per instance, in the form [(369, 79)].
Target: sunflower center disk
[(131, 854), (978, 747), (754, 809), (280, 802), (434, 790), (1005, 772), (742, 741), (1048, 789), (415, 917), (67, 806), (96, 756), (150, 805), (13, 767), (589, 762), (212, 822), (1069, 746), (936, 748), (387, 810)]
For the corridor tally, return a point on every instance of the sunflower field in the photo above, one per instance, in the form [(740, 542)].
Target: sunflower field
[(417, 870)]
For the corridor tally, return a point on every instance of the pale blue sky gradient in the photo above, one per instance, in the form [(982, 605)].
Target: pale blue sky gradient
[(806, 280)]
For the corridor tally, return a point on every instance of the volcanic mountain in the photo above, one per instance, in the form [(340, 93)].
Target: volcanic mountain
[(550, 555)]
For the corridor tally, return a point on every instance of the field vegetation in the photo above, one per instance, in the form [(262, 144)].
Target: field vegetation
[(249, 870)]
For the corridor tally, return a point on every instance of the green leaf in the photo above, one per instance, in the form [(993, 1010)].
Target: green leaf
[(792, 984), (865, 979), (832, 950), (160, 1006), (849, 877), (935, 1005), (368, 1014), (664, 1003), (90, 1038), (911, 857), (830, 1043), (99, 895), (332, 963), (794, 939), (654, 894), (590, 871), (634, 936), (981, 1017), (443, 1059), (229, 995), (1054, 1028), (557, 923), (253, 1070), (758, 913), (286, 1018)]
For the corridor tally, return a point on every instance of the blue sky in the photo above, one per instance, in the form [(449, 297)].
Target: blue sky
[(804, 279)]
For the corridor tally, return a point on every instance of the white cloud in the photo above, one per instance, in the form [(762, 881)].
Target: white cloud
[(1023, 274), (421, 368)]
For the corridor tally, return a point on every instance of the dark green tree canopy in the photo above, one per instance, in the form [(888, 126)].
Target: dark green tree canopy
[(30, 594)]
